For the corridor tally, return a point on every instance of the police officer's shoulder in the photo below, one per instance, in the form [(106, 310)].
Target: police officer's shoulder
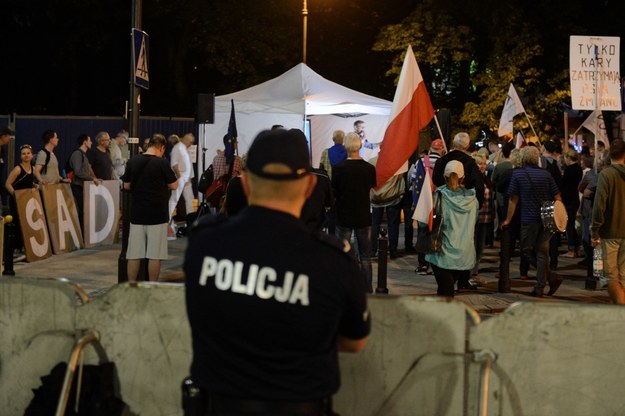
[(208, 221), (340, 245)]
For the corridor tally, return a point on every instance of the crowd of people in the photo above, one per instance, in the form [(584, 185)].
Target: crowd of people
[(155, 188)]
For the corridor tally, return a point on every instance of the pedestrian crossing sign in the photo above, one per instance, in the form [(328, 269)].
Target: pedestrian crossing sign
[(141, 50)]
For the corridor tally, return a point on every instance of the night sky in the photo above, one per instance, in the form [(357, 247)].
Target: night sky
[(69, 57)]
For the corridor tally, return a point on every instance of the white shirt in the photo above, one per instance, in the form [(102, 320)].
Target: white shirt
[(180, 156)]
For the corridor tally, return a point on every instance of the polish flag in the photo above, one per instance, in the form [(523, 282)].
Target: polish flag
[(412, 111)]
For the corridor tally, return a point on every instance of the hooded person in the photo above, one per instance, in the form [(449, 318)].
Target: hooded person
[(459, 211)]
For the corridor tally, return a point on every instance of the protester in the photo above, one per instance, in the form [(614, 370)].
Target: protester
[(486, 215), (335, 154), (270, 302), (510, 234), (570, 198), (319, 203), (459, 152), (387, 199), (227, 162), (182, 167), (100, 157), (587, 187), (529, 187), (427, 162), (81, 167), (46, 163), (608, 221), (352, 180), (235, 199), (117, 155), (330, 157), (459, 209), (149, 179), (21, 177)]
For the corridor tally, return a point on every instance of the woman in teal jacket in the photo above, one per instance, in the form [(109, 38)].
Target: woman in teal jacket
[(457, 257)]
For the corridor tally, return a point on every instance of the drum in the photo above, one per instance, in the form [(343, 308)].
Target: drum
[(553, 215)]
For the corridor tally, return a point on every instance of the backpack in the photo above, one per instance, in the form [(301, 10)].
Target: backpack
[(44, 170)]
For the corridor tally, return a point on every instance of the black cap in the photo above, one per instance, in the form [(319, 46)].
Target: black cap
[(286, 149), (7, 132)]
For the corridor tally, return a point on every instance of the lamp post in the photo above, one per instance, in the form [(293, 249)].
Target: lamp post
[(304, 17)]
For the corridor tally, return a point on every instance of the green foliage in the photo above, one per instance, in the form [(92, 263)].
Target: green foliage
[(473, 50)]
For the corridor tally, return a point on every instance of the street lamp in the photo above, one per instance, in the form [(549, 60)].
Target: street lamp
[(304, 17)]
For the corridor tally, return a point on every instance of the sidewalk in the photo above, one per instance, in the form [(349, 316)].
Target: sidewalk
[(95, 269)]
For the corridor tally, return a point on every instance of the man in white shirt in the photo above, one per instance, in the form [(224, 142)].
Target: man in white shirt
[(181, 165)]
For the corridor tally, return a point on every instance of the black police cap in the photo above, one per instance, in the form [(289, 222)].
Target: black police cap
[(279, 155)]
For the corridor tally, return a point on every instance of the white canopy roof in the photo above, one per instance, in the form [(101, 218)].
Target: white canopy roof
[(302, 91)]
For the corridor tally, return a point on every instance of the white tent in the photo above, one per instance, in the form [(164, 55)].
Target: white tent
[(297, 95)]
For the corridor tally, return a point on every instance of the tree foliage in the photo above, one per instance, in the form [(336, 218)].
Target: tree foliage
[(473, 50)]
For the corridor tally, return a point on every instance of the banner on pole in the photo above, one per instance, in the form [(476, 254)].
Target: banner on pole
[(595, 73)]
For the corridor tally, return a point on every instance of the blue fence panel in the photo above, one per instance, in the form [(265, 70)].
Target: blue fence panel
[(29, 129)]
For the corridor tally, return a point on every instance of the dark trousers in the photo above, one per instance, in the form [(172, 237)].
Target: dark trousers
[(77, 191), (572, 238), (535, 245), (446, 279), (406, 208), (392, 218)]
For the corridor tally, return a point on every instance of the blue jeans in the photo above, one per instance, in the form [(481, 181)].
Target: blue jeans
[(393, 216), (363, 241)]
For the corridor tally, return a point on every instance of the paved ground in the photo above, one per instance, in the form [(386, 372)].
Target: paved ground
[(95, 270)]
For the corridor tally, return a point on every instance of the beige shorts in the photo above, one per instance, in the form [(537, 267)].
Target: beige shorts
[(147, 242)]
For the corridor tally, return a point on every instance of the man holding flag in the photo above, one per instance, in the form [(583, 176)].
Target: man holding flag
[(227, 162)]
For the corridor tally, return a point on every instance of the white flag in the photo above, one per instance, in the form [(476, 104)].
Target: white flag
[(511, 108), (520, 141), (595, 124)]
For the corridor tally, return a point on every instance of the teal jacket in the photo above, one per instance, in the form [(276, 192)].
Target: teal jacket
[(459, 217)]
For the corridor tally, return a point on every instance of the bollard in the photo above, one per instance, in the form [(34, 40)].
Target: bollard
[(591, 280), (9, 242), (382, 262)]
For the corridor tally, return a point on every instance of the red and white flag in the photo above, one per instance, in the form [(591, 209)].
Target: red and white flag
[(412, 111)]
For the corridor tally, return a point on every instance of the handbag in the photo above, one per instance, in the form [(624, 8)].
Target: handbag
[(432, 241)]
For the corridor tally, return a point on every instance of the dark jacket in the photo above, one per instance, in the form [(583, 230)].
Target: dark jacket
[(473, 178)]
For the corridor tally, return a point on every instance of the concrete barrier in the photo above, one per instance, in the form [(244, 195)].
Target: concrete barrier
[(37, 326), (145, 332), (555, 359), (423, 357), (413, 363)]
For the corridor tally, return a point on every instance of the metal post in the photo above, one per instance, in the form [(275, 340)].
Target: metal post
[(9, 245), (305, 32), (133, 146), (382, 262)]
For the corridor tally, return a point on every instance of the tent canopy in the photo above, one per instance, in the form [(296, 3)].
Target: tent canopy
[(302, 91), (298, 95)]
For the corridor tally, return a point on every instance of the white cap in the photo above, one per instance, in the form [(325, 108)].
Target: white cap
[(453, 166)]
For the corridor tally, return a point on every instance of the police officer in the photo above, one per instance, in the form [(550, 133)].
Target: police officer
[(269, 302)]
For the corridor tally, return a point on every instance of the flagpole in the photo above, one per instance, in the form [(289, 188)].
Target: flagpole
[(440, 131), (532, 127), (566, 131)]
